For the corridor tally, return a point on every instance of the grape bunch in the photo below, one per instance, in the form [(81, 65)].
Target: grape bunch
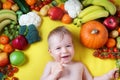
[(11, 30)]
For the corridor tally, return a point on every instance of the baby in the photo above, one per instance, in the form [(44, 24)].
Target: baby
[(61, 48)]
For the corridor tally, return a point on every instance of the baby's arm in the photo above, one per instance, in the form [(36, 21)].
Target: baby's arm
[(52, 71), (113, 74), (86, 74)]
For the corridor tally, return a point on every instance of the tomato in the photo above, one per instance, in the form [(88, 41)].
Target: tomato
[(8, 48), (4, 39)]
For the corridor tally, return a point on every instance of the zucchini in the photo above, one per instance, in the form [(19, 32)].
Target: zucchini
[(22, 5)]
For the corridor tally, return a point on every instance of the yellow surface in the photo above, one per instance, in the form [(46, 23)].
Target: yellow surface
[(38, 55)]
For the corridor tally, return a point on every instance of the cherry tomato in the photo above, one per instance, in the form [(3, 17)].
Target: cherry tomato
[(37, 8), (10, 74), (14, 78), (112, 56), (115, 49), (15, 69)]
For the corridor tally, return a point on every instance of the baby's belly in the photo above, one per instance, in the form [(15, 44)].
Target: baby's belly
[(71, 78)]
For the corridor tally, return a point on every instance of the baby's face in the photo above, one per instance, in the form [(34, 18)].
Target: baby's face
[(61, 49)]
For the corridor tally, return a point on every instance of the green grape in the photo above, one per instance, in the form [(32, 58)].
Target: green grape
[(12, 26), (17, 32), (18, 26), (6, 28), (19, 12), (6, 32), (13, 22), (11, 37)]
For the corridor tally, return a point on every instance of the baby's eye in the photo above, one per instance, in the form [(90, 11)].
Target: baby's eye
[(68, 46), (58, 48)]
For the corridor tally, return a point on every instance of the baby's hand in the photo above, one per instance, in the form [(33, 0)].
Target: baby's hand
[(114, 74), (57, 70)]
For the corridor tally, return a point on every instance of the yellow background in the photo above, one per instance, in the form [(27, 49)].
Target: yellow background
[(38, 56)]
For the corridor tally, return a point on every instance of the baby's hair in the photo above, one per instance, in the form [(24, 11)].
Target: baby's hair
[(61, 31)]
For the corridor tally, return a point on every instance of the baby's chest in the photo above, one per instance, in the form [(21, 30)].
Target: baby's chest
[(72, 74)]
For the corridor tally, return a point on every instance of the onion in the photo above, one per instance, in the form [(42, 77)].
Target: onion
[(20, 42)]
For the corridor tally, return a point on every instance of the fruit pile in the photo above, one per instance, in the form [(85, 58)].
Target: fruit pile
[(100, 27)]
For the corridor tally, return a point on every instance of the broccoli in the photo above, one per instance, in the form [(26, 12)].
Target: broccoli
[(23, 30), (33, 34), (30, 32)]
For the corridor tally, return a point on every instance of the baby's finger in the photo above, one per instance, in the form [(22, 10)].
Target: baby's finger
[(116, 75)]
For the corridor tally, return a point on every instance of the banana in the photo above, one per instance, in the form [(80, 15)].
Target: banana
[(8, 16), (100, 13), (88, 9), (109, 6), (86, 2), (7, 11), (4, 23)]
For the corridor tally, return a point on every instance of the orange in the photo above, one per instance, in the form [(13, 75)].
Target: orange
[(66, 19), (118, 30), (7, 5), (111, 42), (8, 48), (31, 2)]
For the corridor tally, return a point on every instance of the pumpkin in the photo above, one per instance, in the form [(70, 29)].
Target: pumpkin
[(93, 34)]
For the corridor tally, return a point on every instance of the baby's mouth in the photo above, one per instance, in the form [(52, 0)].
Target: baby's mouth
[(66, 56)]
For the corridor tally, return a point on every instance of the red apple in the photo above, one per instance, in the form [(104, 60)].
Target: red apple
[(110, 22), (20, 42), (4, 60), (55, 13)]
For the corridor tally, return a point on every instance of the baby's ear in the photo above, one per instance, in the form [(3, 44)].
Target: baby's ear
[(50, 52)]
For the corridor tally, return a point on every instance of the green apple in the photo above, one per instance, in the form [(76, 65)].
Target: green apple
[(17, 58)]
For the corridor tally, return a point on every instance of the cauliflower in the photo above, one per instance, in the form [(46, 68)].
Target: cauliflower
[(73, 7), (30, 18)]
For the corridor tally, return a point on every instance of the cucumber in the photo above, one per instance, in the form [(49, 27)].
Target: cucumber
[(23, 6)]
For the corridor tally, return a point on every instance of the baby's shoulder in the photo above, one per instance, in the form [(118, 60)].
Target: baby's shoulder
[(50, 63), (79, 64)]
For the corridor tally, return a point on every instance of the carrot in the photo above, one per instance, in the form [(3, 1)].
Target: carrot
[(62, 7)]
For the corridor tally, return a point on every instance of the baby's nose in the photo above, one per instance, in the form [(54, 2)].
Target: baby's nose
[(64, 50)]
